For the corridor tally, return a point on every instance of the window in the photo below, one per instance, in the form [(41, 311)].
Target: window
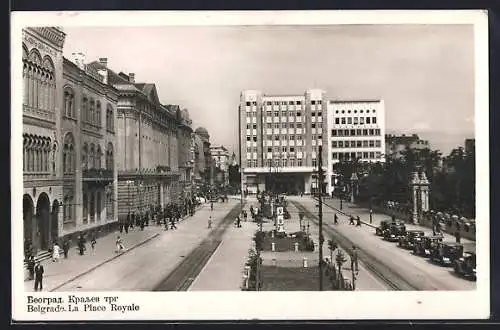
[(319, 125), (314, 148), (365, 132), (353, 132), (248, 138), (359, 144), (349, 120), (298, 114), (276, 125), (371, 143), (358, 132), (254, 139), (313, 125), (341, 132), (299, 102), (292, 125), (299, 125), (377, 143), (342, 120), (341, 144), (334, 132), (365, 155), (109, 157), (292, 149), (299, 161), (365, 144), (355, 120), (85, 113), (313, 114), (269, 137), (85, 164), (299, 137), (337, 121), (92, 156), (314, 162), (248, 126), (372, 132), (69, 102), (68, 206), (110, 119), (361, 120), (269, 149), (283, 125), (254, 126), (98, 205), (335, 155), (374, 119), (269, 125), (254, 103), (248, 103), (377, 132), (291, 137), (334, 144), (372, 155), (276, 138), (367, 120), (91, 117), (346, 132), (69, 154), (269, 103), (98, 114), (276, 114), (319, 101), (320, 137), (313, 102), (353, 144)]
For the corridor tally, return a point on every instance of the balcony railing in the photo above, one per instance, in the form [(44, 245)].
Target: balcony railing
[(97, 174)]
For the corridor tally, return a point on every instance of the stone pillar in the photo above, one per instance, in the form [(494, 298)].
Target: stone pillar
[(424, 190), (414, 186), (161, 194)]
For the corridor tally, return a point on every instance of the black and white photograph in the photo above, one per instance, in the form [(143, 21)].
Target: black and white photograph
[(265, 164)]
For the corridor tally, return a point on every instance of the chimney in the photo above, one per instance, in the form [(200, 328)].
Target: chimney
[(79, 60), (104, 75), (131, 77), (103, 61)]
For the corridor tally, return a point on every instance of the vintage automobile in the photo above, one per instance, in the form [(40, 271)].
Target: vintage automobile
[(394, 232), (424, 246), (408, 241), (446, 253), (466, 265), (384, 225)]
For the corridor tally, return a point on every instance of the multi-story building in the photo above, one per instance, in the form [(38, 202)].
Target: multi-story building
[(148, 157), (42, 141), (203, 159), (397, 144), (279, 140), (356, 130), (88, 149), (220, 156), (184, 140), (470, 147)]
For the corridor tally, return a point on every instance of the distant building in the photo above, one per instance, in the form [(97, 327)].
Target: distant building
[(203, 158), (220, 155), (470, 147), (279, 139), (355, 130), (395, 145)]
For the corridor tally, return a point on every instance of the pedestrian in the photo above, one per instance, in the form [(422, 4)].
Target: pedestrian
[(142, 222), (335, 219), (172, 224), (371, 216), (81, 244), (65, 248), (354, 259), (457, 236), (245, 215), (31, 268), (358, 221), (55, 252), (351, 220), (238, 222), (38, 276), (93, 242), (211, 206), (209, 222), (121, 226), (119, 245), (127, 224), (132, 220)]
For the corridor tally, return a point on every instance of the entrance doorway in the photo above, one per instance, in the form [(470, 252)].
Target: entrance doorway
[(42, 222), (27, 221), (54, 225)]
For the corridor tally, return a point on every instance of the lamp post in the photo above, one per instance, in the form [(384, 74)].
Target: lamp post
[(354, 180)]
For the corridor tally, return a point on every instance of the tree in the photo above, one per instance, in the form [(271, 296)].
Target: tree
[(340, 260), (234, 175)]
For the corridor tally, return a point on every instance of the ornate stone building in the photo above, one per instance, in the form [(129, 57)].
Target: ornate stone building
[(42, 143), (203, 158), (89, 147), (147, 143)]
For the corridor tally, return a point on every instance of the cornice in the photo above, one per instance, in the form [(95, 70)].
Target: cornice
[(51, 34)]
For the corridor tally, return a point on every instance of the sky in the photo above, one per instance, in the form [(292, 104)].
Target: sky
[(424, 73)]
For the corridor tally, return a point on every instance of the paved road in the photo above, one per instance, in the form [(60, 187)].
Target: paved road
[(143, 268), (422, 274)]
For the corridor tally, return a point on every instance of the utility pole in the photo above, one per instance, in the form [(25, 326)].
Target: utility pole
[(320, 215)]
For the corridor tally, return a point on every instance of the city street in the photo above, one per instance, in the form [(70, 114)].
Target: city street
[(143, 268), (420, 272)]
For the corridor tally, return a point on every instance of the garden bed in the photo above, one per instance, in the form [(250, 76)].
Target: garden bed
[(284, 242)]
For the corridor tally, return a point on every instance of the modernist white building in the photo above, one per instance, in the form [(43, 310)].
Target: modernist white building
[(279, 139), (356, 130)]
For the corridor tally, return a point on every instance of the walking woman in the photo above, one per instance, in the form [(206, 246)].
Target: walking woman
[(56, 252), (119, 245)]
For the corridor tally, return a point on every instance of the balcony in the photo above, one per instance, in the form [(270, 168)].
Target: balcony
[(98, 175)]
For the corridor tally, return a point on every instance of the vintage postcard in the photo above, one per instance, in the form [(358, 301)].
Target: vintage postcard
[(250, 165)]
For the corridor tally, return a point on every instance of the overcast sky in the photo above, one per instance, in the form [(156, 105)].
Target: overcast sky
[(425, 73)]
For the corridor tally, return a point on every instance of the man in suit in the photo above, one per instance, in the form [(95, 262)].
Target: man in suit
[(38, 276)]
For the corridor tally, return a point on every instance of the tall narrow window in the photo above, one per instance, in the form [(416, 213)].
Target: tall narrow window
[(85, 164), (98, 119), (68, 154), (98, 156)]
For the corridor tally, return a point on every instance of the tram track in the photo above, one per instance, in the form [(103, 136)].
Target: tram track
[(181, 278), (377, 268)]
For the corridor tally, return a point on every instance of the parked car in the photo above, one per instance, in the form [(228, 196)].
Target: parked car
[(446, 253), (412, 236), (466, 265), (384, 225), (394, 232), (424, 246)]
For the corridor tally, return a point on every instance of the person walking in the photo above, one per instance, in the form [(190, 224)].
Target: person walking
[(351, 220), (39, 276), (211, 206), (127, 224), (93, 242), (371, 215), (172, 224), (81, 244), (56, 252), (119, 245), (121, 224), (457, 236), (335, 219), (238, 222), (354, 259), (209, 222), (65, 248), (245, 215), (358, 221), (31, 268)]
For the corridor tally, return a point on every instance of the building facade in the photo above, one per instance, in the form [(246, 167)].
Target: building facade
[(220, 156), (356, 130), (279, 140), (186, 157), (203, 159), (42, 141), (147, 140), (88, 148), (397, 144)]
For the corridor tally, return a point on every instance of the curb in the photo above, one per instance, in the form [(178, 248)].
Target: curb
[(105, 262)]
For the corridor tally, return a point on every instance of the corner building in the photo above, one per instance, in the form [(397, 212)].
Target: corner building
[(356, 131), (42, 141), (279, 139)]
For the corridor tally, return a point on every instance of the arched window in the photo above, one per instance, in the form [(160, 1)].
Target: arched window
[(91, 118), (110, 119), (69, 154), (69, 101), (98, 157), (98, 114), (48, 84), (92, 156), (109, 157), (85, 160), (85, 105)]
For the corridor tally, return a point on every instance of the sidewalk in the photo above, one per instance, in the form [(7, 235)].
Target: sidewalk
[(58, 273), (224, 270), (364, 214)]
